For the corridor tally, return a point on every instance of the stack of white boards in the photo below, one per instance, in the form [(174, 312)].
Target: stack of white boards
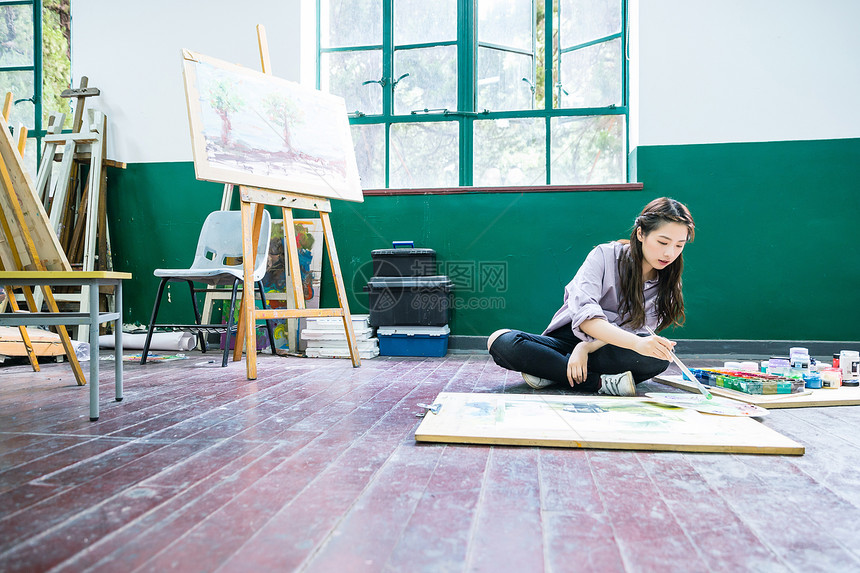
[(326, 338)]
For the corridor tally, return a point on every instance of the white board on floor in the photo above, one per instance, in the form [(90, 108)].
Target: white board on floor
[(607, 422), (844, 396)]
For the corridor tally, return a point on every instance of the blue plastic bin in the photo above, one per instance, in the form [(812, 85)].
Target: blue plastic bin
[(413, 340)]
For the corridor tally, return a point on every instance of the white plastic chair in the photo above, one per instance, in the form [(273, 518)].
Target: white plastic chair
[(217, 261)]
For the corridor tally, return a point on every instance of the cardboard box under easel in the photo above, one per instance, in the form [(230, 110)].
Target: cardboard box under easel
[(44, 343)]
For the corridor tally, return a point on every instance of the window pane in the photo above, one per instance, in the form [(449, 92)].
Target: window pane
[(587, 150), (369, 141), (421, 21), (501, 83), (506, 23), (342, 73), (56, 63), (510, 152), (424, 155), (21, 86), (586, 20), (346, 23), (592, 76), (432, 81), (16, 35)]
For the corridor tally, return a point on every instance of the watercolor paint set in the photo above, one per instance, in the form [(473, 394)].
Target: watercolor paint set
[(748, 382), (784, 374)]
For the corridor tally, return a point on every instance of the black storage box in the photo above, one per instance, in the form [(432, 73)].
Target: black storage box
[(413, 301), (402, 262)]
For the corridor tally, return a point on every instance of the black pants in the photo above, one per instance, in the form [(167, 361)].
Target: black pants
[(547, 356)]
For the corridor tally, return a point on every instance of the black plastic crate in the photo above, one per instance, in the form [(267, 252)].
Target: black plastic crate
[(409, 301), (403, 262)]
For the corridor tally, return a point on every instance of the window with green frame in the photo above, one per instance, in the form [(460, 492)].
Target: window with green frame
[(34, 65), (487, 93)]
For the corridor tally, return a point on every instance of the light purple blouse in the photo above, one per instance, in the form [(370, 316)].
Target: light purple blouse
[(594, 292)]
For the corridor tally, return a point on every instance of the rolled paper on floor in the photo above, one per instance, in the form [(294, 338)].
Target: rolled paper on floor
[(160, 341)]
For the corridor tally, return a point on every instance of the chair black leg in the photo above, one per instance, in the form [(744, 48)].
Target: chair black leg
[(151, 321), (230, 323), (268, 320), (201, 339)]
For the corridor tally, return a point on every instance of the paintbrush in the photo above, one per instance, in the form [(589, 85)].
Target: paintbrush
[(685, 370)]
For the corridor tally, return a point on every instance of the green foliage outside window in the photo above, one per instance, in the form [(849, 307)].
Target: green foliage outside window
[(56, 59), (524, 92), (19, 68)]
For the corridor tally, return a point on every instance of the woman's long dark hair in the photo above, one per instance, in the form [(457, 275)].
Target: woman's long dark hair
[(670, 300)]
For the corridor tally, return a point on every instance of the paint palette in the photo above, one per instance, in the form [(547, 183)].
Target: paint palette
[(716, 405)]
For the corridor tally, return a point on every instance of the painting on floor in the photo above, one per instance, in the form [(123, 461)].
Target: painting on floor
[(254, 129), (607, 422)]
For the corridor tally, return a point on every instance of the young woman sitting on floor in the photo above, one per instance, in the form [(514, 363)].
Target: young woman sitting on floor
[(598, 339)]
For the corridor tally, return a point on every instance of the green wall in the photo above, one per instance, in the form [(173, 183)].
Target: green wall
[(775, 255), (156, 211)]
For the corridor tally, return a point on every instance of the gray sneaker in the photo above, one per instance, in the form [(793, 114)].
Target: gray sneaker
[(617, 384), (535, 382)]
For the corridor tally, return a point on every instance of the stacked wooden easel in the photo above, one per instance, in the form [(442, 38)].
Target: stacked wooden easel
[(77, 206), (27, 242), (31, 255)]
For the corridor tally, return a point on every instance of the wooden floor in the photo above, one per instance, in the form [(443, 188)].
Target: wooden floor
[(314, 467)]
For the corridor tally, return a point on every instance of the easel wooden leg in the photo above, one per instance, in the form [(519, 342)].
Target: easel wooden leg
[(60, 185), (291, 266), (43, 177), (293, 257), (252, 219), (25, 337), (7, 233), (208, 302), (341, 290)]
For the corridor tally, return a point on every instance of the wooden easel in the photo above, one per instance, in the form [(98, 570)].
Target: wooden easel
[(77, 218), (15, 262), (252, 203)]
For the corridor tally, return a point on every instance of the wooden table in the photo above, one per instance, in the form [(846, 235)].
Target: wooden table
[(92, 279)]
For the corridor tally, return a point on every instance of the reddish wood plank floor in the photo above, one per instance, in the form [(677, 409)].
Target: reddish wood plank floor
[(314, 467)]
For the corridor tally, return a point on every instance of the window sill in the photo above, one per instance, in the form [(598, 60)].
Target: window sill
[(529, 189)]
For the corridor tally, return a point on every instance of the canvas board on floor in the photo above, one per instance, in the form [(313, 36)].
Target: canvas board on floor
[(843, 396), (593, 422)]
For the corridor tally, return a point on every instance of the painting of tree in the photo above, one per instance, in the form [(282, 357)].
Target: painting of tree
[(225, 102), (284, 113), (255, 129)]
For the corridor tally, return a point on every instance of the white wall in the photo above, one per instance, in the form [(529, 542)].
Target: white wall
[(745, 70), (131, 52), (702, 71)]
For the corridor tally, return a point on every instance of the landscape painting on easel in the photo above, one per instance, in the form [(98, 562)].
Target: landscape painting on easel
[(250, 128)]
